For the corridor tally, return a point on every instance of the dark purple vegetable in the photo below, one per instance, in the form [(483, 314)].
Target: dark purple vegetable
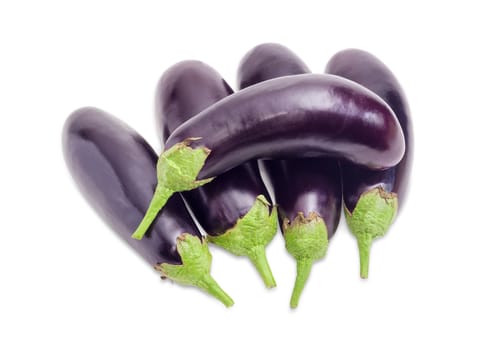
[(234, 209), (115, 169), (268, 61), (298, 116), (371, 198), (307, 190)]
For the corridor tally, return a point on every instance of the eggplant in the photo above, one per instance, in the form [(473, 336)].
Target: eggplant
[(268, 61), (307, 190), (372, 198), (115, 170), (297, 116), (235, 208)]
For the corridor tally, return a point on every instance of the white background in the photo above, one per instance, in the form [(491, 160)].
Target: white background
[(70, 283)]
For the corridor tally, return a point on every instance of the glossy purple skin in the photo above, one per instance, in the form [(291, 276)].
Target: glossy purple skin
[(184, 90), (268, 61), (115, 169), (367, 70), (298, 116), (307, 185), (300, 185)]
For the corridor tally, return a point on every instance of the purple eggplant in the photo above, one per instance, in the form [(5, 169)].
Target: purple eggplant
[(268, 61), (297, 116), (234, 209), (115, 169), (307, 190), (371, 198)]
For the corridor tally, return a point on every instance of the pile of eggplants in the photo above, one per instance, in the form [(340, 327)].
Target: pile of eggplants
[(328, 142)]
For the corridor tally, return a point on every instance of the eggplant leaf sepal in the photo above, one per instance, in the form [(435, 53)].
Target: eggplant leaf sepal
[(177, 171), (250, 236), (195, 269), (371, 218), (307, 241)]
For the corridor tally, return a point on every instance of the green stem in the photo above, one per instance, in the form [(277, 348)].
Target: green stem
[(161, 196), (303, 268), (209, 285), (364, 246), (306, 240), (177, 170), (250, 235), (259, 259), (195, 269), (370, 219)]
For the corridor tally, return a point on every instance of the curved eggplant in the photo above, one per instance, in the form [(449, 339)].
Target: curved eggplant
[(371, 198), (307, 190), (297, 116), (115, 169), (234, 209)]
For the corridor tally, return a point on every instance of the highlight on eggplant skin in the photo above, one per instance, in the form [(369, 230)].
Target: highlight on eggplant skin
[(370, 193), (115, 170), (298, 116), (184, 90), (307, 190)]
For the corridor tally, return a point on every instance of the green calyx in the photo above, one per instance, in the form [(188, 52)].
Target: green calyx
[(307, 241), (179, 166), (371, 218), (177, 171), (195, 269), (250, 235)]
